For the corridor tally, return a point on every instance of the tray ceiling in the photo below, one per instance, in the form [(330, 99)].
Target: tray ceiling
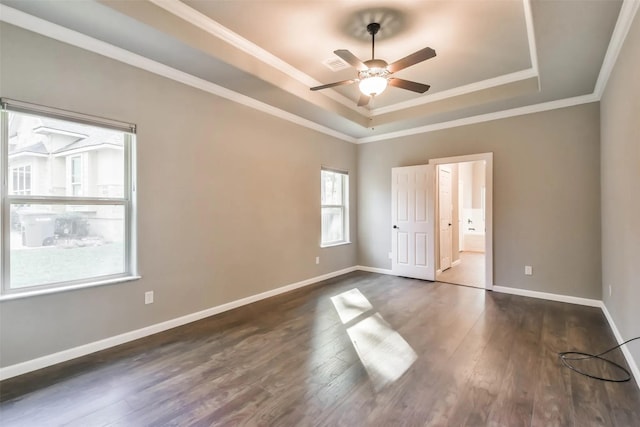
[(492, 55)]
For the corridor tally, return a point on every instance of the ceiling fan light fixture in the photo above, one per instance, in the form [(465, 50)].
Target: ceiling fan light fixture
[(373, 86), (375, 75)]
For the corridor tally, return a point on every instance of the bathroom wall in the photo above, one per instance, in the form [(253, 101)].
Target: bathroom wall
[(472, 175)]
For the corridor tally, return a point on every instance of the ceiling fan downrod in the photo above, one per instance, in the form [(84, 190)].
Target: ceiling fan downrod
[(373, 29)]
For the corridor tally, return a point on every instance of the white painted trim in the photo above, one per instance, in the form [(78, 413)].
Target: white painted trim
[(548, 296), (74, 38), (580, 301), (488, 241), (218, 30), (374, 270), (31, 23), (529, 109), (625, 19), (531, 36), (83, 350), (627, 354), (456, 262), (457, 91), (58, 289), (488, 172)]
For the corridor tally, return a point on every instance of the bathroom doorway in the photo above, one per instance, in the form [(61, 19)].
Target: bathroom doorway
[(464, 223)]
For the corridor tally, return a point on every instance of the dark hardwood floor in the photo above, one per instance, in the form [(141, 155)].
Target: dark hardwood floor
[(359, 350)]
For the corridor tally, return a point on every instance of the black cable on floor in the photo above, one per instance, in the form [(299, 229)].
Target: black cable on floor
[(564, 358)]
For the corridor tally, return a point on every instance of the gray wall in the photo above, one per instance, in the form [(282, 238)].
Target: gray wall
[(229, 197), (546, 198), (620, 153)]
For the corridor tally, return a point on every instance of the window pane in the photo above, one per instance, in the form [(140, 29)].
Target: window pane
[(27, 180), (54, 151), (56, 243), (332, 225), (331, 188)]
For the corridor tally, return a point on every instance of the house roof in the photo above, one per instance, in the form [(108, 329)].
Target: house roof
[(81, 136), (38, 148)]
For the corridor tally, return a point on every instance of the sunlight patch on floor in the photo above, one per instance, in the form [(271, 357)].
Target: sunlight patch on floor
[(383, 352), (351, 304)]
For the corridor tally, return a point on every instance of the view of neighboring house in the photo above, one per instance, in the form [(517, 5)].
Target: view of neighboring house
[(54, 158), (75, 227)]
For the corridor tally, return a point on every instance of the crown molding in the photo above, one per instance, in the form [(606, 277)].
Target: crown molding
[(531, 35), (457, 91), (481, 85), (529, 109), (623, 24), (48, 29), (202, 21), (194, 17), (74, 38)]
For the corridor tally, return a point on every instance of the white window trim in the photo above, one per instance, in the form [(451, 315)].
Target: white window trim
[(70, 182), (12, 181), (345, 210), (129, 201)]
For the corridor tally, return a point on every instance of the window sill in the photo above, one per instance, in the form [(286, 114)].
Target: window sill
[(34, 293), (331, 245)]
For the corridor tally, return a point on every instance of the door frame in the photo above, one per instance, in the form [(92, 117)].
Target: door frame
[(488, 240), (438, 222)]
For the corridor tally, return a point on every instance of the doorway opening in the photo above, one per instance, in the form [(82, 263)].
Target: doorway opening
[(463, 199)]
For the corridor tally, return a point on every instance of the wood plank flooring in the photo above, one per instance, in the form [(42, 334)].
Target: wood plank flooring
[(469, 272), (401, 352)]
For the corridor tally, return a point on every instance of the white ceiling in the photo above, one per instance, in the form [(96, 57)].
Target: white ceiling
[(492, 55)]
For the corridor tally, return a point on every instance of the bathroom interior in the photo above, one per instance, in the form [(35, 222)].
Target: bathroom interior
[(468, 210)]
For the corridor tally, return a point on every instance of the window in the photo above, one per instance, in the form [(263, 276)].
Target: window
[(334, 205), (21, 180), (76, 175), (68, 209)]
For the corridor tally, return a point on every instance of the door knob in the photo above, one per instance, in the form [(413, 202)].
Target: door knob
[(449, 224), (395, 226)]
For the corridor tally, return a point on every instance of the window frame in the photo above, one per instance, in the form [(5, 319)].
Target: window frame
[(344, 206), (128, 200), (78, 183), (22, 168)]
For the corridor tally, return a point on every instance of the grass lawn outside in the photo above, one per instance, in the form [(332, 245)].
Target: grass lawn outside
[(52, 264)]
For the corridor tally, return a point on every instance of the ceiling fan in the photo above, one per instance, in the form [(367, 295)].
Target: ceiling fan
[(375, 74)]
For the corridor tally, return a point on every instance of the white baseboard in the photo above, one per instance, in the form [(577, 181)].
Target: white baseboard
[(580, 301), (456, 262), (548, 296), (374, 270), (627, 354), (83, 350)]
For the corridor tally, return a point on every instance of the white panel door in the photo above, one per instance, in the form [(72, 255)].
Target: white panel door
[(412, 234), (445, 217)]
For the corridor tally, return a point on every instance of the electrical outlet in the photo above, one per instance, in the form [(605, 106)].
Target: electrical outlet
[(609, 290), (317, 260), (390, 255), (528, 270), (148, 297)]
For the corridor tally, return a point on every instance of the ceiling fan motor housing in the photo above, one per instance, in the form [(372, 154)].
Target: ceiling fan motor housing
[(376, 68), (373, 28)]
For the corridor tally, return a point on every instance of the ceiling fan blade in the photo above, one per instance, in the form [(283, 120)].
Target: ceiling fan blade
[(414, 58), (351, 59), (409, 85), (344, 82), (364, 100)]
